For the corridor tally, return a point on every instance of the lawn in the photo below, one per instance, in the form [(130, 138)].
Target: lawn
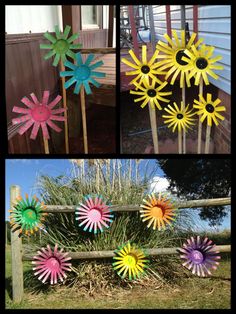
[(189, 293)]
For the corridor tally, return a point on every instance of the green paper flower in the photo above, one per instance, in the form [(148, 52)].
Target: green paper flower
[(60, 46), (27, 215)]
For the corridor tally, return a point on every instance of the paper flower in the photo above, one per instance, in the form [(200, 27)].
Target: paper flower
[(39, 114), (208, 109), (173, 54), (130, 260), (179, 117), (143, 69), (51, 263), (82, 73), (158, 210), (201, 64), (199, 255), (27, 216), (60, 46), (94, 214), (150, 93)]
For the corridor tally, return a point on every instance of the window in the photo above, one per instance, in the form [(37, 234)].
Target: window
[(91, 16)]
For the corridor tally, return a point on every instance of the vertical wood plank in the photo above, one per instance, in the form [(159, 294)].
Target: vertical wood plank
[(16, 254)]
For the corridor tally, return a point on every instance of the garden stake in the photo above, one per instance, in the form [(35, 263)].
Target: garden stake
[(153, 121), (62, 68), (207, 142), (45, 144), (199, 122), (83, 110)]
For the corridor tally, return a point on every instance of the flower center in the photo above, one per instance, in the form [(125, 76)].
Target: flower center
[(151, 93), (145, 69), (41, 113), (61, 46), (95, 215), (53, 264), (156, 212), (201, 63), (130, 260), (30, 215), (180, 116), (209, 108), (197, 257), (82, 73), (179, 56)]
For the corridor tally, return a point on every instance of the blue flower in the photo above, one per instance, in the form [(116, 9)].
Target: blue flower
[(82, 73)]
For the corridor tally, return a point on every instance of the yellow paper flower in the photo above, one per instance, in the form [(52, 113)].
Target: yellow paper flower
[(158, 210), (173, 56), (150, 93), (131, 261), (143, 69), (202, 64), (208, 109), (179, 117)]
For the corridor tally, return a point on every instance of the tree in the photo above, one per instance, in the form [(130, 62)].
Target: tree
[(200, 178)]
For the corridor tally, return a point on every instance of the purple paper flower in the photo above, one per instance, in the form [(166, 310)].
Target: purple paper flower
[(199, 255)]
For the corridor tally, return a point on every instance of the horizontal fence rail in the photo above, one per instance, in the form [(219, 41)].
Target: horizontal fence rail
[(130, 208), (109, 254)]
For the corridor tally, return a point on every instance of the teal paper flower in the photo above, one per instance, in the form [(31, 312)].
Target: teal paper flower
[(82, 73), (60, 46)]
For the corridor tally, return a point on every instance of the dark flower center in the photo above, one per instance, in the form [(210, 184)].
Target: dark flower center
[(180, 116), (201, 63), (151, 93), (145, 69), (179, 56), (209, 108)]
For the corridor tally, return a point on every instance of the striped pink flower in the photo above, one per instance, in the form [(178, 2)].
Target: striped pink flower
[(39, 114), (94, 214), (51, 264)]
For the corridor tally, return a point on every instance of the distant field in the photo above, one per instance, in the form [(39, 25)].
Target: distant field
[(190, 293)]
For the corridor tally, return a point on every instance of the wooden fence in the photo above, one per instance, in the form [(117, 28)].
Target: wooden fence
[(17, 256)]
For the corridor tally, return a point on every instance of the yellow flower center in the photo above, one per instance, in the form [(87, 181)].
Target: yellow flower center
[(130, 260), (156, 212)]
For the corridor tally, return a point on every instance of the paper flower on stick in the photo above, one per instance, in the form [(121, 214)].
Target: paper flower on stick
[(150, 93), (39, 114), (179, 117), (130, 261), (27, 216), (158, 211), (82, 73), (143, 69), (61, 45), (201, 64), (94, 214), (51, 264), (200, 256), (209, 109), (173, 56)]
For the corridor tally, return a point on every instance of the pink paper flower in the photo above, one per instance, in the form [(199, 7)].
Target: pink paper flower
[(51, 263), (39, 114), (94, 214)]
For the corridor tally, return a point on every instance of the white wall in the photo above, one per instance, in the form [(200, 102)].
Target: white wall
[(213, 25), (22, 19)]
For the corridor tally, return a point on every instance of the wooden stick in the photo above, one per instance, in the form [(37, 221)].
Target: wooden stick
[(46, 147), (184, 132), (110, 254), (180, 141), (153, 121), (16, 254), (83, 110), (130, 208), (65, 114), (208, 137), (199, 122)]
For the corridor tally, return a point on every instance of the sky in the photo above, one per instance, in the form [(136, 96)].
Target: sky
[(25, 172)]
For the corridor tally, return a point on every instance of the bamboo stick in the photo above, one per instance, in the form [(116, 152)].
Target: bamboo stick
[(184, 132), (46, 147), (110, 254), (180, 141), (153, 121), (208, 137), (199, 122), (65, 107), (83, 110), (128, 208)]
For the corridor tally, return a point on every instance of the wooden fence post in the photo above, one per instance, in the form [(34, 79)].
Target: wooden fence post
[(16, 254)]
